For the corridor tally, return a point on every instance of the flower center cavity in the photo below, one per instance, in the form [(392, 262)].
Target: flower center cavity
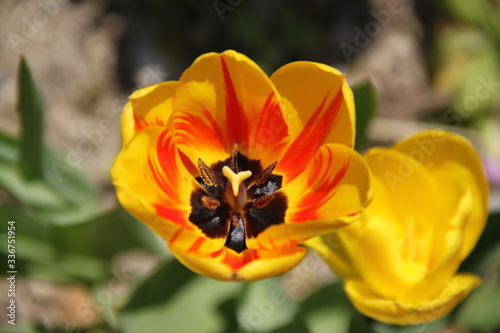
[(237, 199)]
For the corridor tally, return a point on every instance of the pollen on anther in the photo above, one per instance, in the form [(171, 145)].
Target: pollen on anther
[(210, 202)]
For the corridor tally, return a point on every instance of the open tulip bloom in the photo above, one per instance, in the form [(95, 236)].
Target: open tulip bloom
[(399, 261), (234, 170)]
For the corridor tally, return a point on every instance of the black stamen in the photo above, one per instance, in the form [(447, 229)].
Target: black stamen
[(215, 217), (236, 238), (210, 202), (258, 219), (263, 201), (234, 159), (261, 179), (213, 221)]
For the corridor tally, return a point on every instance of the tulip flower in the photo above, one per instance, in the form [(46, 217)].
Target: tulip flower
[(234, 170), (399, 261)]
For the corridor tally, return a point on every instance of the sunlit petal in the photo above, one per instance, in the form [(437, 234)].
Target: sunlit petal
[(159, 193), (250, 265), (239, 102), (323, 111), (399, 260), (401, 313), (328, 195), (453, 159), (149, 106)]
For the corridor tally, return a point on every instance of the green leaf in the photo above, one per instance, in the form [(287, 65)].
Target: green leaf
[(8, 148), (81, 252), (327, 310), (28, 226), (431, 327), (265, 307), (366, 106), (174, 299), (69, 268), (20, 327), (41, 179), (361, 323), (77, 199), (228, 310), (480, 258), (480, 311), (30, 108), (35, 256), (92, 237), (64, 196), (37, 194), (76, 252), (480, 13), (296, 325), (161, 285)]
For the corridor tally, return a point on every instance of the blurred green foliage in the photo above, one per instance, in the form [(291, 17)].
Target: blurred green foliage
[(366, 104), (466, 60)]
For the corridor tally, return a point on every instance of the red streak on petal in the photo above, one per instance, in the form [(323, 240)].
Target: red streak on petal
[(213, 124), (194, 130), (188, 164), (271, 128), (159, 122), (141, 123), (166, 154), (161, 181), (312, 201), (175, 236), (172, 215), (237, 125), (237, 260), (196, 245), (354, 214), (314, 134)]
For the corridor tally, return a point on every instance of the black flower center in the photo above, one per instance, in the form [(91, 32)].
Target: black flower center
[(237, 200)]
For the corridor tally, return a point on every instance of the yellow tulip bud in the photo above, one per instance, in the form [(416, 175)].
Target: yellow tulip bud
[(399, 261)]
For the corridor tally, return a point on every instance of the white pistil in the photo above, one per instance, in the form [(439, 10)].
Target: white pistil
[(235, 178), (236, 189)]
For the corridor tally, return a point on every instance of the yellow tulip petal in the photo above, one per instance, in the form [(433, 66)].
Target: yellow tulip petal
[(307, 86), (197, 133), (435, 193), (153, 185), (249, 265), (452, 158), (394, 311), (396, 230), (335, 253), (244, 105), (272, 263), (148, 106), (335, 185), (447, 254), (436, 277), (400, 258), (401, 181), (320, 124), (325, 197)]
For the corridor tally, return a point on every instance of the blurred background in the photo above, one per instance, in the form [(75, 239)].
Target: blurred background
[(84, 265)]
